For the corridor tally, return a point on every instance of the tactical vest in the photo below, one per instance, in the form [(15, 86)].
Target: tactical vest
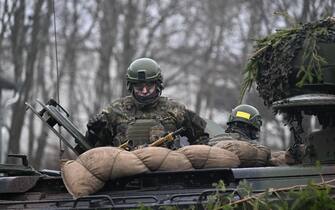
[(145, 126)]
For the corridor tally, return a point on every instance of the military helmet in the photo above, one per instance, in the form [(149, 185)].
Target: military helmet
[(144, 70), (246, 114)]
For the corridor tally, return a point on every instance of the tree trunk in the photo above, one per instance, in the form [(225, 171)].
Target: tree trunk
[(129, 41), (108, 35), (17, 41), (19, 107), (42, 139)]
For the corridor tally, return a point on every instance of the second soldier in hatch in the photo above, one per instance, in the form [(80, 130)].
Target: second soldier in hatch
[(244, 124), (145, 115)]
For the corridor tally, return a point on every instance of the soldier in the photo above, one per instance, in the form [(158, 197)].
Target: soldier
[(244, 124), (145, 115), (242, 137)]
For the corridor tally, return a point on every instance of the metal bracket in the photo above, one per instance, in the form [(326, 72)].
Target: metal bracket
[(51, 114)]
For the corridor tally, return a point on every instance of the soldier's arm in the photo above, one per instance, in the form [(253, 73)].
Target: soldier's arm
[(99, 131), (195, 128)]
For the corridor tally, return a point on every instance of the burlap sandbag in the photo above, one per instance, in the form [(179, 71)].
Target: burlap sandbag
[(263, 155), (111, 162), (203, 156), (93, 168), (78, 180), (278, 158), (163, 159), (250, 155)]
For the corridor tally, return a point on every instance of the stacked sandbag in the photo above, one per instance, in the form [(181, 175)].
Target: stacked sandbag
[(278, 158), (89, 172), (282, 158), (250, 155), (202, 156), (225, 137), (163, 159)]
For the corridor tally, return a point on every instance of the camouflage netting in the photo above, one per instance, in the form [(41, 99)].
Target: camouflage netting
[(89, 172), (287, 60)]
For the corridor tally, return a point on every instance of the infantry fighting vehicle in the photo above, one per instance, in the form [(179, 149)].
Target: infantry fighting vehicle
[(22, 187), (25, 188)]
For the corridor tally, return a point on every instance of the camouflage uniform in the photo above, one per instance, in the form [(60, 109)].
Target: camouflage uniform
[(230, 136), (125, 120), (144, 116)]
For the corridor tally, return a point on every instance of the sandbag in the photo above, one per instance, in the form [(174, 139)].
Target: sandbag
[(89, 172), (78, 180), (250, 155), (109, 163), (163, 159), (225, 137), (203, 156), (282, 158), (278, 158)]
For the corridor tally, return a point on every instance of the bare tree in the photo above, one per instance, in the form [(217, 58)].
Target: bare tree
[(41, 81), (18, 36), (108, 35), (129, 38)]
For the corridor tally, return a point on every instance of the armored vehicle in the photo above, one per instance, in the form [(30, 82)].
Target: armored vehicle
[(22, 187)]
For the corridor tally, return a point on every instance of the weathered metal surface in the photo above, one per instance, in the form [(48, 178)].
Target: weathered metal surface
[(16, 169), (306, 100), (17, 184), (182, 188), (55, 114), (262, 178), (320, 146)]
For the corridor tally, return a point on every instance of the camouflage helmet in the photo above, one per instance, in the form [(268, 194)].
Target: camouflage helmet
[(144, 70), (246, 114)]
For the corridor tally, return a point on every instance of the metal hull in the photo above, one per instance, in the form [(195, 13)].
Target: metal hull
[(183, 188)]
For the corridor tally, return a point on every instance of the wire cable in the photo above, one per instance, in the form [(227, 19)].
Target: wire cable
[(61, 149)]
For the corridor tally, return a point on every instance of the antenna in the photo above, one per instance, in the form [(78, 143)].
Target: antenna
[(61, 149)]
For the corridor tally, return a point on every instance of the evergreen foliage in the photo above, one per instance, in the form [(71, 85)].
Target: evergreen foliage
[(313, 196), (288, 59)]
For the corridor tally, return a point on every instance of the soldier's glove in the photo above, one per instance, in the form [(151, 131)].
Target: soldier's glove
[(97, 123)]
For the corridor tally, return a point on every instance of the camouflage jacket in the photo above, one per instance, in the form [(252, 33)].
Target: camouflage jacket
[(124, 120)]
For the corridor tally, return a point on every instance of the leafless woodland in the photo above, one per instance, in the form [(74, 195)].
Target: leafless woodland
[(202, 47)]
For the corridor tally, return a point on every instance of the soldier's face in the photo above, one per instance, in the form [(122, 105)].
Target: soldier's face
[(144, 89)]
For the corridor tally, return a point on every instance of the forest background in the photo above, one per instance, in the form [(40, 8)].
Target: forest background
[(201, 46)]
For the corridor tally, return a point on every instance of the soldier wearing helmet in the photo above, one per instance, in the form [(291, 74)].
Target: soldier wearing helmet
[(144, 115), (244, 123)]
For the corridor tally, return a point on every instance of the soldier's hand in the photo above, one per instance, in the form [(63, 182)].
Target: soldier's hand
[(97, 123)]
